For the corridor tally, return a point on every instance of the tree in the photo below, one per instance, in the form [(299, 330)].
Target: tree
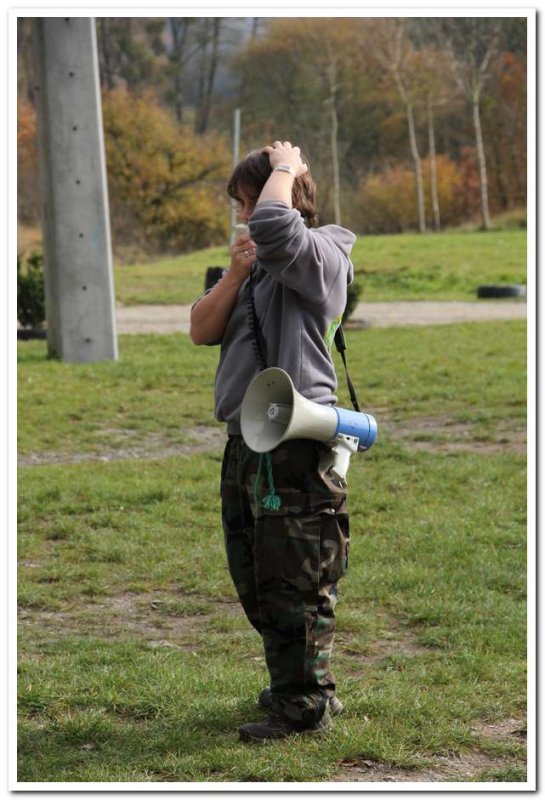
[(198, 50), (392, 48), (28, 184), (296, 79), (474, 43), (179, 56), (434, 91), (386, 201), (25, 82), (506, 101), (331, 103), (166, 184), (320, 81), (208, 38), (129, 50), (327, 42)]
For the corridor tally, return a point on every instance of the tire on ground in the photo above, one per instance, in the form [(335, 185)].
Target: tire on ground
[(501, 290)]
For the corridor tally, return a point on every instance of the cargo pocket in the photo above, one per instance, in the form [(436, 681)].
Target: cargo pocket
[(317, 548), (334, 545), (301, 567), (305, 542), (288, 545)]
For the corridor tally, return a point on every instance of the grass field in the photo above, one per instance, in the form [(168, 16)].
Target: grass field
[(446, 266), (135, 663), (443, 266)]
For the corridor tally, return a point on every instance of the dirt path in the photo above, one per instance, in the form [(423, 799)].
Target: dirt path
[(175, 319), (433, 434)]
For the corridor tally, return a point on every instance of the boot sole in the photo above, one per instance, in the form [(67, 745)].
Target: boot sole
[(247, 736)]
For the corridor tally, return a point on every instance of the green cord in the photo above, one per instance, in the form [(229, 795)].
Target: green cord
[(257, 477), (271, 501)]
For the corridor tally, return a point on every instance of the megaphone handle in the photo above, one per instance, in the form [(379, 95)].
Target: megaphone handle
[(343, 448)]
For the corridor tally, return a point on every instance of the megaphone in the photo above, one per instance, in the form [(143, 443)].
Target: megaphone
[(273, 411)]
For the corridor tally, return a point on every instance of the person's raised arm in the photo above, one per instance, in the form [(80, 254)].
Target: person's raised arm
[(210, 314), (286, 165), (306, 261)]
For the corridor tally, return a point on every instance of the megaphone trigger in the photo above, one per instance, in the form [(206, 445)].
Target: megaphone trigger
[(343, 448)]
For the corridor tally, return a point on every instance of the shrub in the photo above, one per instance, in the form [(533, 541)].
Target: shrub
[(30, 291), (386, 202), (352, 296), (166, 184)]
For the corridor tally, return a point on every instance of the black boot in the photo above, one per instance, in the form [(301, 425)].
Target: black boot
[(276, 726)]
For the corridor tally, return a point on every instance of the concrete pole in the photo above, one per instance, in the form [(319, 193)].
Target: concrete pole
[(236, 153), (79, 291)]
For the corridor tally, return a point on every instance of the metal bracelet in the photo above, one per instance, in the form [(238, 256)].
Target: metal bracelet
[(285, 168)]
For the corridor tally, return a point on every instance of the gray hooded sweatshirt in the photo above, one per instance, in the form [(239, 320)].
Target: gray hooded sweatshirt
[(299, 284)]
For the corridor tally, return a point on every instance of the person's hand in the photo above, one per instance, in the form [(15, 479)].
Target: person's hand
[(242, 256), (284, 153)]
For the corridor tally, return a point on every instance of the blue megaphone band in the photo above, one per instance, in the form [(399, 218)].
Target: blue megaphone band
[(353, 423)]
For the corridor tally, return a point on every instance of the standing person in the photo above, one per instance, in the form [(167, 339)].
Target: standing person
[(285, 519)]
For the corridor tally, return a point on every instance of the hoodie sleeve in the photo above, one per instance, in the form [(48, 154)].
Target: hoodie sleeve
[(306, 260)]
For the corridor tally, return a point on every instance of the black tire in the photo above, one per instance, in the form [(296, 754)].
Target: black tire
[(501, 290), (25, 334)]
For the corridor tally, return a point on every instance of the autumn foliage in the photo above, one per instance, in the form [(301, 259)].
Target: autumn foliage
[(387, 202), (368, 109), (166, 184), (28, 196)]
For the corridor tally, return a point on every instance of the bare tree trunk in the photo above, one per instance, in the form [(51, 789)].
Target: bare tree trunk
[(395, 66), (485, 213), (25, 69), (433, 169), (203, 59), (474, 47), (178, 98), (178, 36), (179, 28), (207, 74), (106, 75), (331, 102), (211, 74), (519, 170), (417, 169), (335, 164)]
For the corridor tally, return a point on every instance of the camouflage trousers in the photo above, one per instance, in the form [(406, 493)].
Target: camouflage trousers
[(286, 563)]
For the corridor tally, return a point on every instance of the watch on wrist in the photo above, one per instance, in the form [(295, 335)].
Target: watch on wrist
[(285, 168)]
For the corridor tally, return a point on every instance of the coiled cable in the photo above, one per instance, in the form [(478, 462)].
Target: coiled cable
[(258, 340)]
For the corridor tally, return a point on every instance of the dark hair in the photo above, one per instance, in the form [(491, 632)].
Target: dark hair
[(252, 173)]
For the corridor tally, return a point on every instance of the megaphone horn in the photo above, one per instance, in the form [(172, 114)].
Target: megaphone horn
[(274, 411)]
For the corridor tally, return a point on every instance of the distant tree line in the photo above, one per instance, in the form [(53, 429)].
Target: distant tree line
[(409, 123)]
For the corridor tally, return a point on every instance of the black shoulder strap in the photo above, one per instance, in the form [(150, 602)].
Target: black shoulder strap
[(340, 344)]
